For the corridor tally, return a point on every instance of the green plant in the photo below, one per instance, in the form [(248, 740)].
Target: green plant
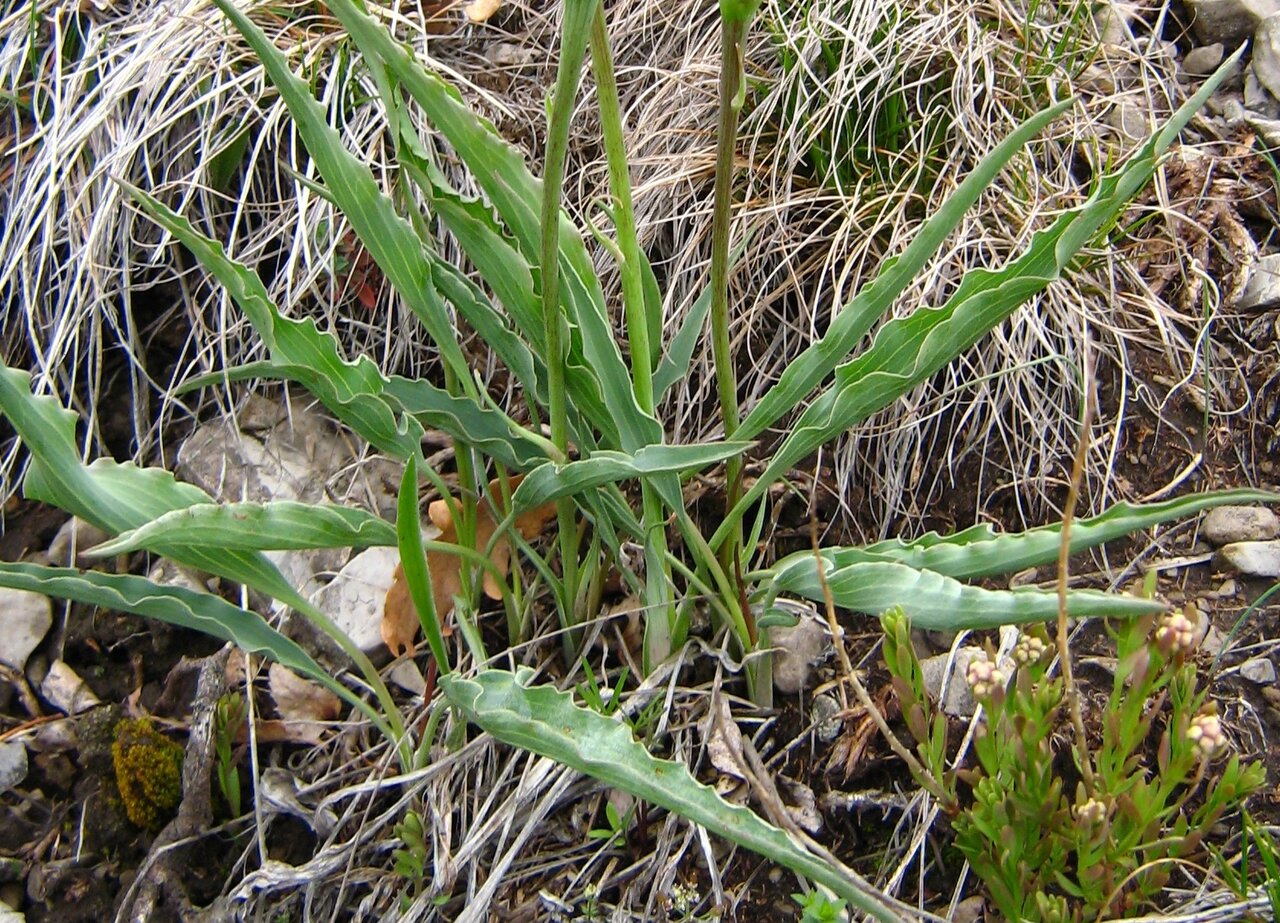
[(148, 772), (1097, 838), (816, 907), (547, 322), (410, 856), (615, 834), (1237, 872), (228, 717)]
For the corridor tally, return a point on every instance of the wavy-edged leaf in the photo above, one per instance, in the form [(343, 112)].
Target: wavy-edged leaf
[(908, 350), (981, 551), (500, 171), (941, 603), (545, 721), (353, 391), (488, 430), (274, 526), (179, 606), (551, 482), (389, 238), (853, 321), (116, 497)]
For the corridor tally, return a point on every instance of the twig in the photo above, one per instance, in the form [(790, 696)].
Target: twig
[(922, 775), (1064, 569)]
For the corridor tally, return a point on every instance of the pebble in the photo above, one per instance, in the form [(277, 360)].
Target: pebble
[(1266, 54), (958, 701), (797, 652), (25, 618), (1259, 670), (824, 716), (66, 691), (1227, 524), (80, 535), (1203, 61), (1230, 22), (1257, 98), (1262, 291), (1227, 590), (408, 677), (13, 764), (355, 598), (1130, 119), (1257, 559)]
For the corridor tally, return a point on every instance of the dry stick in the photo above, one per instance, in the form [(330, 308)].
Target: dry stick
[(1064, 569), (922, 775)]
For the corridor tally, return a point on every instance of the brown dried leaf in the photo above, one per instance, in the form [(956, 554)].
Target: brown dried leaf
[(400, 618), (299, 699), (481, 10)]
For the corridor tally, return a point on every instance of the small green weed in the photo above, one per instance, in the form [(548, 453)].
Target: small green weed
[(229, 715), (816, 907), (1098, 837)]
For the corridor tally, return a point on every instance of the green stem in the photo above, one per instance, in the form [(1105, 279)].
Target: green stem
[(659, 599), (573, 48), (732, 34)]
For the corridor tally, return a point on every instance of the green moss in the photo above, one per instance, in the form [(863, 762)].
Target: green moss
[(148, 772)]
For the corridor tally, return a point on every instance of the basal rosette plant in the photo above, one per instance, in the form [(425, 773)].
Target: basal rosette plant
[(587, 437)]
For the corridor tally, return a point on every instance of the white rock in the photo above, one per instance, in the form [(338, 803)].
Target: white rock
[(1266, 54), (80, 535), (25, 618), (66, 691), (1262, 291), (408, 677), (1227, 524), (1259, 670), (13, 764), (1258, 559), (797, 651), (356, 596), (957, 698), (1230, 22)]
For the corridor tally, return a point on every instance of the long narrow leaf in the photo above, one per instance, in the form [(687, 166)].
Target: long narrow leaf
[(934, 601), (353, 391), (853, 321), (551, 482), (116, 497), (981, 551), (545, 721), (388, 237), (501, 172), (274, 526), (179, 606), (906, 351)]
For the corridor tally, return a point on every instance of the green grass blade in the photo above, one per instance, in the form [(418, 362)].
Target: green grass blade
[(551, 482), (275, 526), (413, 562), (353, 391), (933, 601), (545, 721), (389, 238), (857, 317), (981, 551), (179, 606)]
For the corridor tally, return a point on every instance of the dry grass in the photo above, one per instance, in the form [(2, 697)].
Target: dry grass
[(158, 92)]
